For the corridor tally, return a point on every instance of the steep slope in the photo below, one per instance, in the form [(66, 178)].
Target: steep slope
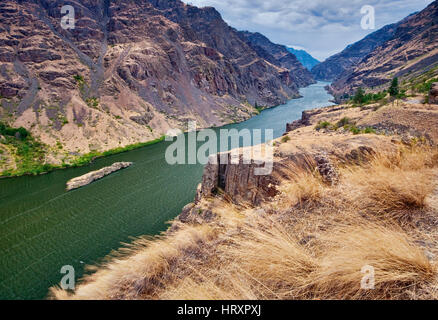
[(343, 62), (278, 55), (128, 71), (304, 57), (411, 51)]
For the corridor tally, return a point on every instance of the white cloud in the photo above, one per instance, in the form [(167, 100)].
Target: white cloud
[(323, 27)]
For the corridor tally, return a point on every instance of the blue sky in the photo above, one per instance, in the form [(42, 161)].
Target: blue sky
[(322, 27)]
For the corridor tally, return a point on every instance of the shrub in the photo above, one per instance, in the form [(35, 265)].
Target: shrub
[(369, 130), (343, 122), (323, 125)]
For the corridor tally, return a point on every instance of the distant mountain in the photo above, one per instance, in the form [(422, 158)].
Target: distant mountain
[(342, 62), (278, 55), (411, 51), (304, 57)]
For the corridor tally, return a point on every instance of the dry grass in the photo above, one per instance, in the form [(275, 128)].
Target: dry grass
[(398, 263), (395, 186), (310, 242)]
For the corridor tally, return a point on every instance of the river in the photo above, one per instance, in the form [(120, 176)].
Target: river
[(43, 227)]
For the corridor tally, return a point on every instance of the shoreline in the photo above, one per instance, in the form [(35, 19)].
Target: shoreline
[(87, 159)]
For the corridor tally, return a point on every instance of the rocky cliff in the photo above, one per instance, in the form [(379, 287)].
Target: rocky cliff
[(409, 52), (278, 55), (129, 71)]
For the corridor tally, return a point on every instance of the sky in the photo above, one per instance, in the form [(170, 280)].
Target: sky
[(321, 27)]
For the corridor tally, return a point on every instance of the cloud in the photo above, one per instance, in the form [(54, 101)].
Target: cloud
[(322, 27)]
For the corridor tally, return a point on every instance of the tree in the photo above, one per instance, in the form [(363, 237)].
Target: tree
[(359, 97), (394, 90)]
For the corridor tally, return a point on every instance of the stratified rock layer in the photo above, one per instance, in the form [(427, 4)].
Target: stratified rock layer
[(131, 70)]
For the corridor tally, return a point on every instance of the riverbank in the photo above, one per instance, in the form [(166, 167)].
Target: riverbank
[(83, 160)]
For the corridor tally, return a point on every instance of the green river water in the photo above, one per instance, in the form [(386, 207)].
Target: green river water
[(43, 227)]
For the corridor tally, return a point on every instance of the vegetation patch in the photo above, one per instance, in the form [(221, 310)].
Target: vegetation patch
[(345, 123), (28, 152)]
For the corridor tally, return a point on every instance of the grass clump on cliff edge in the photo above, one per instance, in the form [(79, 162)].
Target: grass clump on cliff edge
[(312, 241)]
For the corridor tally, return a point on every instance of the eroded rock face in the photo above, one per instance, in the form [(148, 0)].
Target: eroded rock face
[(239, 180), (130, 66), (433, 95), (90, 177)]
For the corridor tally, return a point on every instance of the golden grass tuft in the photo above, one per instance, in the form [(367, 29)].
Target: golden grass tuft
[(392, 186), (399, 265)]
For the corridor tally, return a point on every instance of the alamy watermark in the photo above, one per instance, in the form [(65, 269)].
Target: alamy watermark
[(68, 20), (68, 281), (368, 21), (201, 147), (368, 280)]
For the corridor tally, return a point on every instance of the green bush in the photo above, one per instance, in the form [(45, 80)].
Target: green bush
[(323, 125), (354, 129), (369, 130), (343, 122), (5, 130), (363, 98)]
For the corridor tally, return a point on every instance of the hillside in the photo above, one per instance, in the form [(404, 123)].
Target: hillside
[(304, 57), (364, 196), (126, 73), (411, 52), (342, 63)]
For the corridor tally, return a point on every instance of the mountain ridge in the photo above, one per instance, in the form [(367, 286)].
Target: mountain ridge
[(306, 59), (128, 72), (409, 53)]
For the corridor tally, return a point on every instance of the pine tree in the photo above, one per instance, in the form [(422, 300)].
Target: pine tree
[(394, 89)]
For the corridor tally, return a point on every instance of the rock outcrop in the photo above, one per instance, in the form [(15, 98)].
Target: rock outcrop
[(92, 176), (433, 94), (238, 179)]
